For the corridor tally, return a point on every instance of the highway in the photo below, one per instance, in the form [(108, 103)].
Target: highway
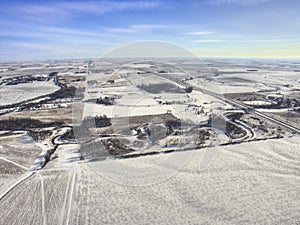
[(239, 105)]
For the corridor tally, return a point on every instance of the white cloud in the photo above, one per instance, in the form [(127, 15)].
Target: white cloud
[(68, 9), (200, 33), (23, 50), (147, 26), (67, 31), (121, 30), (52, 32), (136, 28), (240, 2), (208, 41)]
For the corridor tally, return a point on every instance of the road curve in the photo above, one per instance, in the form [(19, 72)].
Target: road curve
[(234, 103)]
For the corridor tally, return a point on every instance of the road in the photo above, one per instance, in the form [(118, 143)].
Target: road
[(239, 105), (243, 106)]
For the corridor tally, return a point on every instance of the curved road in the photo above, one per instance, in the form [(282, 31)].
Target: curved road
[(234, 103)]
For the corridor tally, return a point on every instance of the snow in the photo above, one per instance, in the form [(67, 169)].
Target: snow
[(138, 65), (67, 154), (259, 103), (91, 109), (11, 94), (137, 99), (273, 110), (133, 101), (250, 183), (225, 88)]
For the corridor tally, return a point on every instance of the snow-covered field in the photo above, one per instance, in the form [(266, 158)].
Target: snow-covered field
[(20, 148), (92, 109), (219, 87), (144, 104), (134, 101), (237, 76), (9, 174), (250, 183), (40, 199), (160, 180), (11, 94)]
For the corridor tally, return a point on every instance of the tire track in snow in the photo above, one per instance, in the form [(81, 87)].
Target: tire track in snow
[(15, 185), (68, 200), (15, 163), (43, 200)]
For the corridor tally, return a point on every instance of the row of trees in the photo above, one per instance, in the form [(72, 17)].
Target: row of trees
[(105, 101), (97, 121), (25, 123)]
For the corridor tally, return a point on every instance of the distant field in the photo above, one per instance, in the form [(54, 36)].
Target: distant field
[(165, 153), (11, 94)]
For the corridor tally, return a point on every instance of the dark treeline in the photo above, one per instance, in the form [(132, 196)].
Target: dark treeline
[(97, 121), (105, 101), (25, 123), (39, 135)]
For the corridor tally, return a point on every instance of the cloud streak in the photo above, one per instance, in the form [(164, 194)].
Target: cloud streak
[(208, 41), (199, 33), (138, 28), (239, 2), (77, 8)]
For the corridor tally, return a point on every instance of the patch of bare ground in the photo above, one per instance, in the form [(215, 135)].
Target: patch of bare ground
[(63, 115)]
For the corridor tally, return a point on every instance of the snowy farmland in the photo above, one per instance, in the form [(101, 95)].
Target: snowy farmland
[(18, 93), (168, 141), (20, 148), (240, 185)]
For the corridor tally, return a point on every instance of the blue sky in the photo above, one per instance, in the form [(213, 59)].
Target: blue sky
[(40, 29)]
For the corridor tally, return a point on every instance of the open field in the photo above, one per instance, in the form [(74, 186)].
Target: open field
[(18, 93), (42, 202), (168, 141), (9, 174), (30, 190), (63, 115), (19, 148), (248, 183), (99, 194)]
